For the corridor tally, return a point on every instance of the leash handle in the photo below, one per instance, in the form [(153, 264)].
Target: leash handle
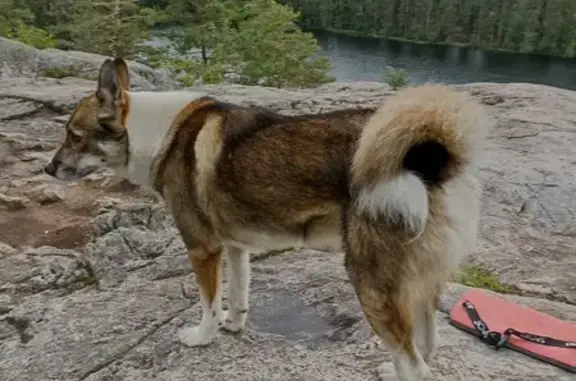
[(498, 340)]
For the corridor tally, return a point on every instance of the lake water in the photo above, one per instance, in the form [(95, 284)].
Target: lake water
[(367, 59)]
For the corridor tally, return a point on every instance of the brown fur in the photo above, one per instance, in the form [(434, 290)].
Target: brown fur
[(206, 266)]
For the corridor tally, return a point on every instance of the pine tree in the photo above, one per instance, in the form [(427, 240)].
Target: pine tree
[(108, 27), (542, 26), (17, 21), (249, 42)]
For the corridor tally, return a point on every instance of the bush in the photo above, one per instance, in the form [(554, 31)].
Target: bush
[(33, 36), (396, 78), (58, 72)]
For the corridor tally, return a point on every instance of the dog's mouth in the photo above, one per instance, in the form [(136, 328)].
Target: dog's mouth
[(84, 172)]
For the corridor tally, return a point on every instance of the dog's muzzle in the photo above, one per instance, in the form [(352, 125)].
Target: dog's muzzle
[(59, 170)]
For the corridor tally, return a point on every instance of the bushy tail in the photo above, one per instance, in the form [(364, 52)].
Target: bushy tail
[(416, 142)]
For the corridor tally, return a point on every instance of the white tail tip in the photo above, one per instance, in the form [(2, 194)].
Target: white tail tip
[(402, 201)]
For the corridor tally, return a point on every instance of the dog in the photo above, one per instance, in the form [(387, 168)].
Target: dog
[(395, 188)]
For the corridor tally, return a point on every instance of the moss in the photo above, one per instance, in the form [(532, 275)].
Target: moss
[(478, 277), (66, 72), (59, 72), (87, 280)]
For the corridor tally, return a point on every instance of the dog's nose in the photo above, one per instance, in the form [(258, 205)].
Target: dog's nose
[(51, 167)]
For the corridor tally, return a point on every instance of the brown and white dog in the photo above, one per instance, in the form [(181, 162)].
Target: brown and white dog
[(394, 188)]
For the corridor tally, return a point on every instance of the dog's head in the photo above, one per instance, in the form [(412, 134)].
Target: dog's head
[(96, 134)]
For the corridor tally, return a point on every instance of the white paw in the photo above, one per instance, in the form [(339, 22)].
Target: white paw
[(424, 371), (233, 323), (433, 348), (386, 372), (195, 336), (389, 372), (430, 356)]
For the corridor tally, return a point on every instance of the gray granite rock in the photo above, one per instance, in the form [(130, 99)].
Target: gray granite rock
[(108, 308), (20, 60)]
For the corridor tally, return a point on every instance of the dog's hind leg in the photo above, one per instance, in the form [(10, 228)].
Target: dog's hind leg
[(392, 318), (425, 330), (238, 289), (207, 267)]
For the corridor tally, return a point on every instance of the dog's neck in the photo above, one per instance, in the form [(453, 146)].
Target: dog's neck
[(150, 116)]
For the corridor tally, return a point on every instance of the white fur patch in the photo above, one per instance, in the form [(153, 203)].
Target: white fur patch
[(207, 147), (403, 200), (110, 149), (150, 117), (206, 331)]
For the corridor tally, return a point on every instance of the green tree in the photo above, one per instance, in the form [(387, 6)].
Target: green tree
[(248, 42), (268, 48), (531, 26), (205, 24), (109, 27), (17, 22)]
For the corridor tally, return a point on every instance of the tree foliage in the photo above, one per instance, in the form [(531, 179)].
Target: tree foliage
[(108, 27), (248, 42), (266, 47), (530, 26), (396, 78), (18, 22), (243, 41)]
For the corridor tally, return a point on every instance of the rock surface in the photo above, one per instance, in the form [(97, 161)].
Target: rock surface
[(95, 282), (20, 60)]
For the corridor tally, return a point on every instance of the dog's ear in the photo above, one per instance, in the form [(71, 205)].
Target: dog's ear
[(109, 95), (108, 87), (122, 73)]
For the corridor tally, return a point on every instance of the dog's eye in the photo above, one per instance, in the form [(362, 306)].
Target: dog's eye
[(107, 127), (111, 131)]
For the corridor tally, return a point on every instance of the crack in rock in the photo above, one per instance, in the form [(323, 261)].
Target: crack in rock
[(121, 354)]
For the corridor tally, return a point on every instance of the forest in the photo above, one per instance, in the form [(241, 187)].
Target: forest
[(267, 42), (252, 42), (528, 26)]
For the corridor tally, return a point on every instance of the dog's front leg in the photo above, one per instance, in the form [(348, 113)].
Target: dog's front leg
[(207, 267)]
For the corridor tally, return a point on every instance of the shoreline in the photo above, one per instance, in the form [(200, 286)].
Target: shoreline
[(351, 33)]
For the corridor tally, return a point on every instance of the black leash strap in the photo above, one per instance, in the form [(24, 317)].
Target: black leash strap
[(498, 340)]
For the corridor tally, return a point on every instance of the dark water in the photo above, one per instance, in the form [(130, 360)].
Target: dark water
[(367, 59)]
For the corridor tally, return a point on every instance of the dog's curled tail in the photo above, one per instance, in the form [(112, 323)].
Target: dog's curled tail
[(416, 142)]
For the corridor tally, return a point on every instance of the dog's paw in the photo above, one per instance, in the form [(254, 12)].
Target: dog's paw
[(432, 347), (195, 336), (430, 356), (386, 372), (232, 323)]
